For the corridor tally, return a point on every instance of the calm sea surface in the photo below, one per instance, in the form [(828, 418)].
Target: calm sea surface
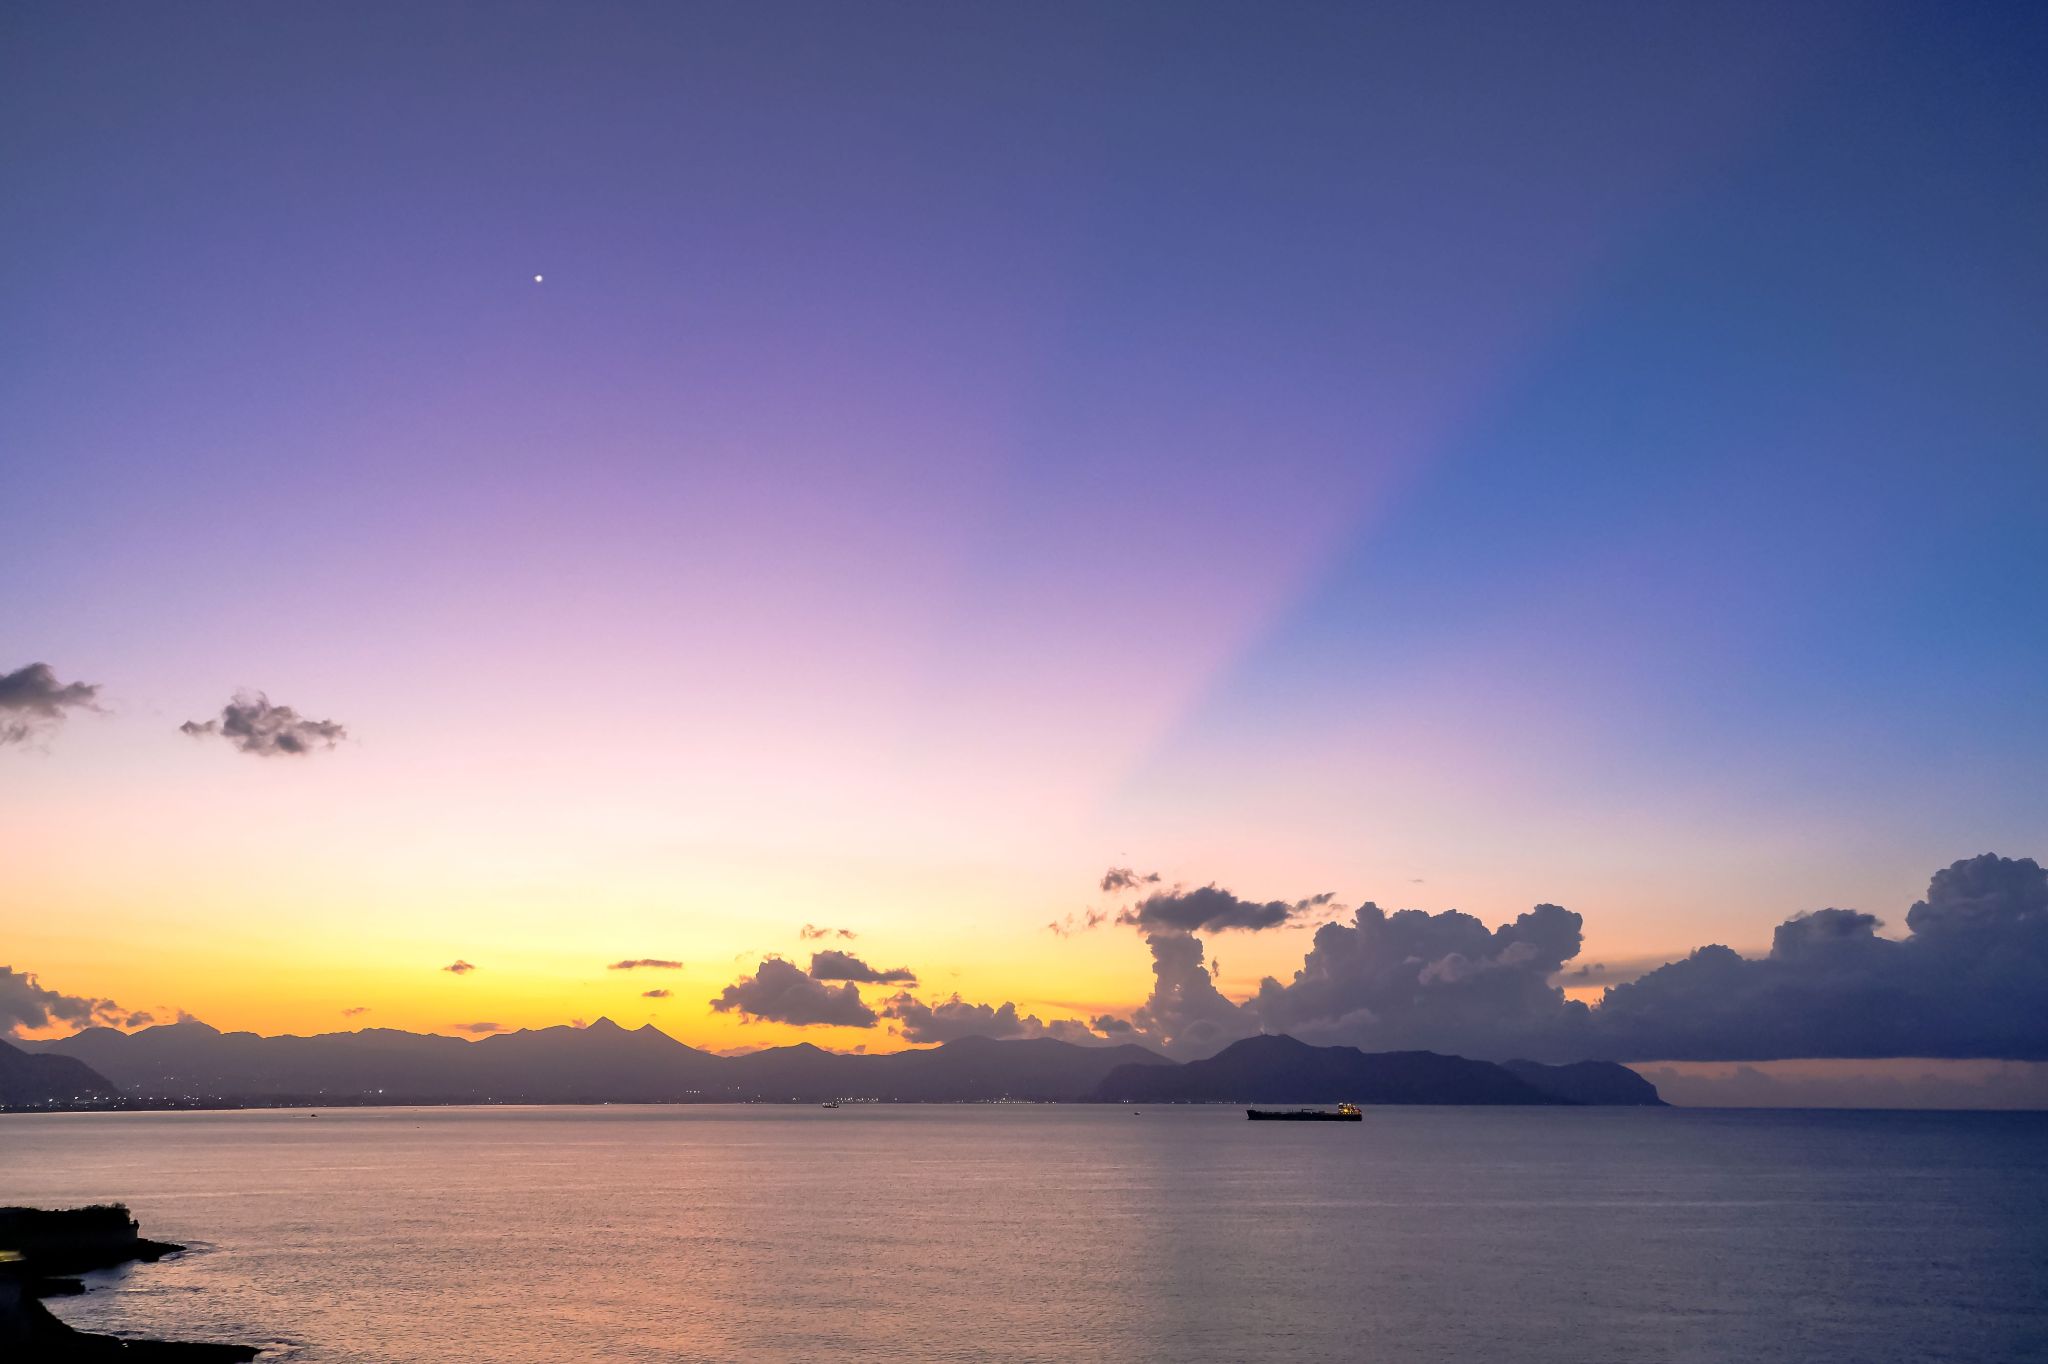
[(1017, 1233)]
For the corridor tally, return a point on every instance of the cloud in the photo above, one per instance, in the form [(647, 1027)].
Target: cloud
[(778, 992), (952, 1019), (1186, 1015), (355, 1012), (1211, 909), (811, 933), (646, 964), (33, 702), (479, 1029), (1443, 982), (1968, 980), (252, 724), (1069, 926), (458, 968), (27, 1005), (834, 965), (654, 994), (1123, 878)]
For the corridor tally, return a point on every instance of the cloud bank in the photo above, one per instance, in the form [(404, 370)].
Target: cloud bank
[(33, 702), (646, 964), (952, 1019), (1966, 981), (778, 992), (253, 725)]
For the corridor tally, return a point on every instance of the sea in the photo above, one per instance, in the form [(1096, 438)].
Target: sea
[(1023, 1232)]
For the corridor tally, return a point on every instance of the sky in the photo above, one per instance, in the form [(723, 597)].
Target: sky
[(715, 470)]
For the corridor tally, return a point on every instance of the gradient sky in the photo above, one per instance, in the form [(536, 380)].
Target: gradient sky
[(1448, 455)]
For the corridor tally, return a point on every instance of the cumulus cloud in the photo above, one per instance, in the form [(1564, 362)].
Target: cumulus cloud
[(458, 968), (646, 964), (27, 1005), (835, 965), (812, 933), (1443, 982), (952, 1019), (479, 1029), (779, 992), (1968, 980), (252, 724), (654, 994), (1118, 879), (1965, 982), (1212, 909), (1186, 1015), (33, 702)]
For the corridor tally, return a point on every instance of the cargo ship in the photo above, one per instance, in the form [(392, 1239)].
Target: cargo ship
[(1344, 1113)]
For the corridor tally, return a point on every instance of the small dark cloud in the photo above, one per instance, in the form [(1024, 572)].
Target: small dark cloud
[(1072, 924), (835, 965), (654, 994), (252, 724), (33, 702), (779, 992), (646, 964), (458, 968), (355, 1012), (1123, 878), (812, 933), (479, 1029), (27, 1005), (1212, 909)]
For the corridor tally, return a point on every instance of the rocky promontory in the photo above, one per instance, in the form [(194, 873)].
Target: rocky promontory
[(40, 1249)]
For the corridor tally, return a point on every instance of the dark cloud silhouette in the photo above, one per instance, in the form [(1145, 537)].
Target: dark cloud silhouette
[(1444, 981), (479, 1029), (33, 702), (356, 1012), (252, 724), (778, 992), (952, 1019), (646, 964), (459, 968), (1186, 1015), (835, 965), (1211, 909), (654, 994), (1966, 982), (27, 1005), (812, 933), (1118, 879)]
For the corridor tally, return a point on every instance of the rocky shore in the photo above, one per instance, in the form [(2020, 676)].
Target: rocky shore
[(40, 1251)]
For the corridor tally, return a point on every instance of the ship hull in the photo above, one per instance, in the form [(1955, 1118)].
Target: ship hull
[(1300, 1115)]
